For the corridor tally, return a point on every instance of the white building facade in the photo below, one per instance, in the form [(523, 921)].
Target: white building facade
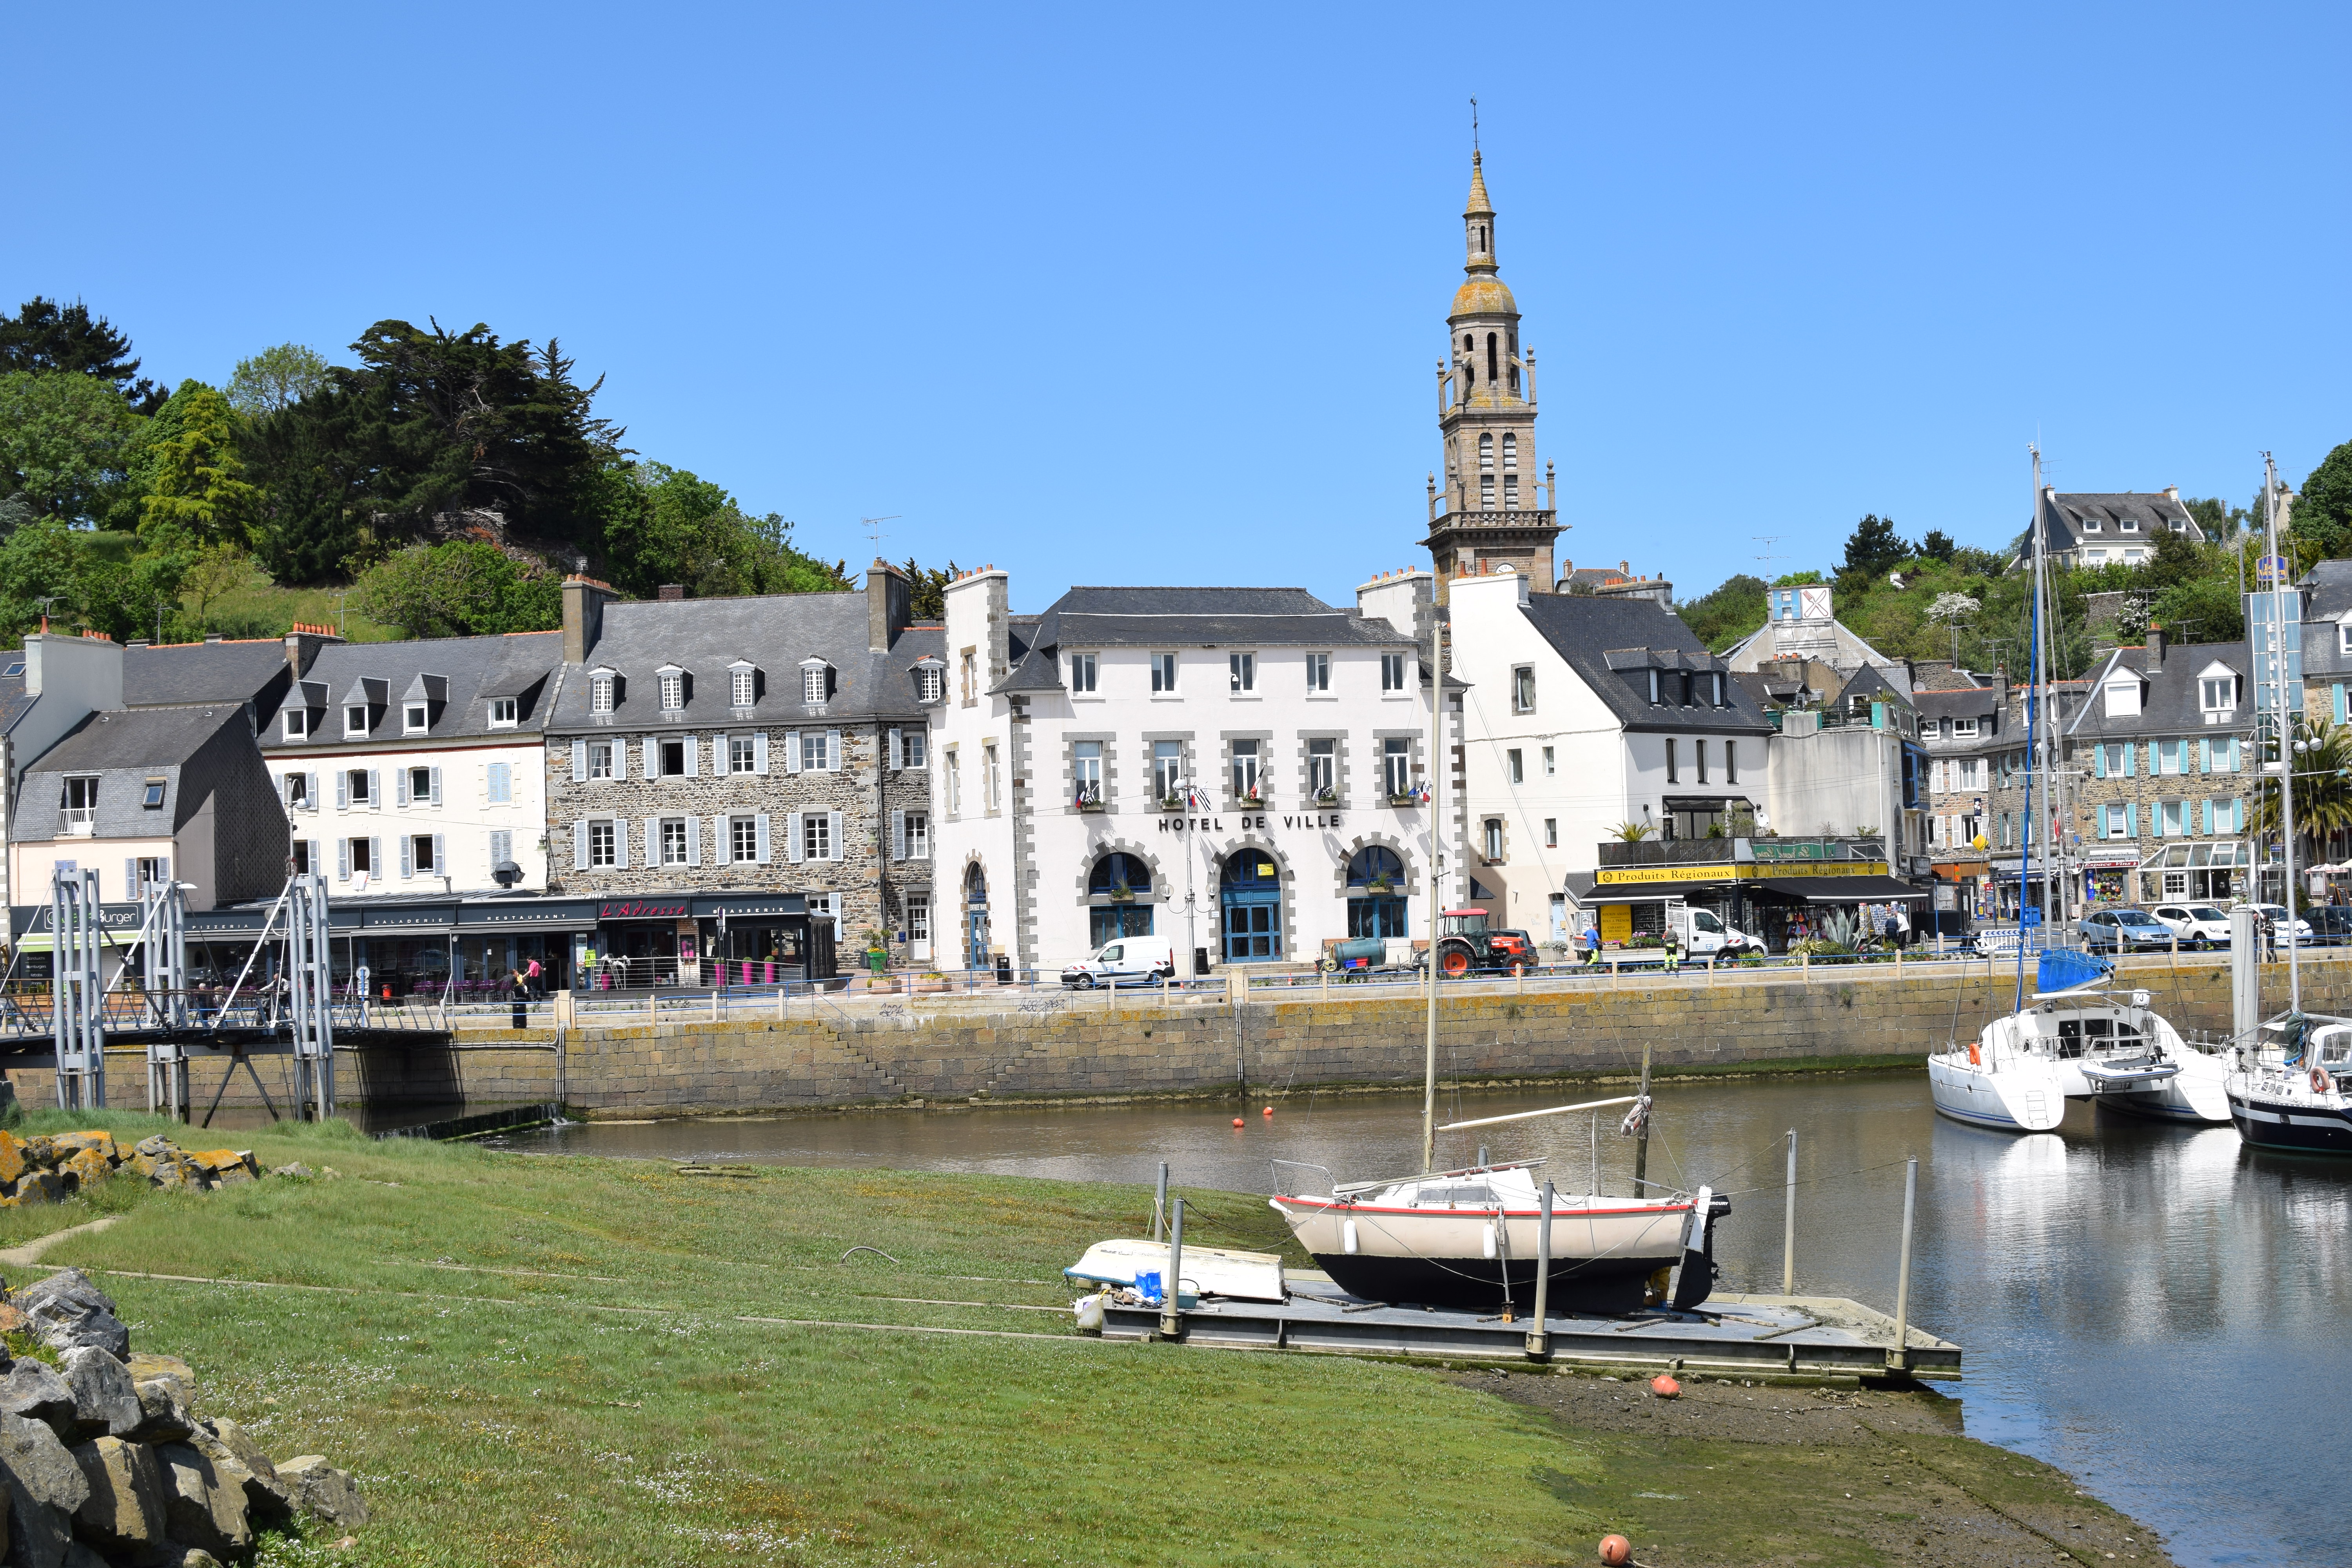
[(1240, 771)]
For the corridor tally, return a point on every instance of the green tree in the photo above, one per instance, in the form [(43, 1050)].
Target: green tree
[(461, 589), (37, 560), (1937, 545), (65, 442), (308, 512), (666, 525), (1726, 612), (46, 335), (194, 475), (2323, 512), (928, 589), (1875, 549), (128, 585), (277, 379)]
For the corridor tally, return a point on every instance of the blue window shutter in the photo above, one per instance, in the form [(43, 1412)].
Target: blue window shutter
[(2209, 819), (2131, 753), (2204, 756), (2131, 820), (2099, 761)]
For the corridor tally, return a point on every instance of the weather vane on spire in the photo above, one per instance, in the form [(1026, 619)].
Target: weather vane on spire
[(1474, 127)]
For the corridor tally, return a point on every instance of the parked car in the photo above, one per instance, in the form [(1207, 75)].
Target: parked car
[(2197, 925), (2331, 923), (2123, 930), (2277, 916), (1125, 961)]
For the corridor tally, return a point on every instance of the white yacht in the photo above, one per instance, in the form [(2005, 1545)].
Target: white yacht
[(2288, 1089)]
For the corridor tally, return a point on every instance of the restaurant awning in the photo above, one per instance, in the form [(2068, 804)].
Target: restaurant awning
[(1847, 890)]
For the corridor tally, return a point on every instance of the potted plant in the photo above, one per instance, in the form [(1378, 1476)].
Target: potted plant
[(877, 950), (1172, 803), (1089, 798), (1121, 893), (1326, 796)]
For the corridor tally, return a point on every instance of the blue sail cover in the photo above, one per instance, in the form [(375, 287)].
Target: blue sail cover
[(2066, 969)]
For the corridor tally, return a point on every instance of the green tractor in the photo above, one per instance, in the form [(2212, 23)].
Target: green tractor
[(1466, 945)]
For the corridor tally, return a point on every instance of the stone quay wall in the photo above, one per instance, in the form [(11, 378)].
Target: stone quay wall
[(1078, 1047)]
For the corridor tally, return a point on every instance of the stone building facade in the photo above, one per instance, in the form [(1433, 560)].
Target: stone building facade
[(718, 769)]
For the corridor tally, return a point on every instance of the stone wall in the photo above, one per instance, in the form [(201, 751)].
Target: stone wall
[(1055, 1044)]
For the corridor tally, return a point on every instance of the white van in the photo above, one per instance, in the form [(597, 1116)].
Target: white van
[(1703, 935), (1124, 960)]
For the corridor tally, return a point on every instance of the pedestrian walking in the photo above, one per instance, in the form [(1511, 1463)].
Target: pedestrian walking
[(2270, 937), (531, 979), (1592, 942)]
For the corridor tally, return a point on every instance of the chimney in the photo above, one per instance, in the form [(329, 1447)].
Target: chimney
[(670, 593), (583, 616), (889, 604), (2155, 662), (2172, 492)]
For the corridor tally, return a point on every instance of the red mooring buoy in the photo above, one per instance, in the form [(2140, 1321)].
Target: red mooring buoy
[(1237, 1122), (1270, 1111), (1616, 1551), (1664, 1387)]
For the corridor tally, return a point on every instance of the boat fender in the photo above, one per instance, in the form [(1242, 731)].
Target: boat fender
[(1976, 1056), (1616, 1552), (1488, 1243), (2320, 1082), (1348, 1237), (1695, 1280), (1089, 1311)]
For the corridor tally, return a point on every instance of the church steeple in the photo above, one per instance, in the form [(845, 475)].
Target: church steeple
[(1489, 510)]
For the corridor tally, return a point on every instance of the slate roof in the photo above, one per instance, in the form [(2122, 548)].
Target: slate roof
[(176, 674), (2170, 699), (125, 748), (2074, 519), (776, 633), (1612, 643), (1870, 681), (1976, 703), (15, 701), (1173, 617), (472, 670)]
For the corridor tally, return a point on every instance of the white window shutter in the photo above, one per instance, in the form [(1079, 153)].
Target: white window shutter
[(694, 841), (653, 758), (436, 786), (343, 859), (400, 786), (898, 832), (834, 835), (761, 828), (310, 791), (285, 783), (833, 750), (375, 789), (693, 755), (892, 760), (579, 762), (405, 869), (759, 752), (792, 751), (375, 859), (653, 842), (793, 843), (342, 790), (722, 843), (620, 844), (131, 878), (580, 845), (718, 745), (440, 855)]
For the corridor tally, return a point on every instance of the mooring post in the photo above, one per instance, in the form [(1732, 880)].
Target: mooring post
[(1789, 1224), (1642, 1134), (1898, 1355), (1539, 1345), (1159, 1205), (1171, 1320)]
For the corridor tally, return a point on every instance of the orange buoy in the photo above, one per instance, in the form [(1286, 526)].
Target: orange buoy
[(1616, 1551), (1664, 1387), (1237, 1122), (1270, 1111)]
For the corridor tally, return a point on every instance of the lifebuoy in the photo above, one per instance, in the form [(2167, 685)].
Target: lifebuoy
[(1976, 1058), (2321, 1083)]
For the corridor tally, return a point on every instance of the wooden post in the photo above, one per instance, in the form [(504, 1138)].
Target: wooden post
[(1642, 1139)]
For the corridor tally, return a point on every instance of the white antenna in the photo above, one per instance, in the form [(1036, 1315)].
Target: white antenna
[(874, 528), (1766, 557)]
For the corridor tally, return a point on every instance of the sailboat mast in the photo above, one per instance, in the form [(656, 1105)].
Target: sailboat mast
[(2032, 692), (2053, 902), (1436, 893), (2285, 737)]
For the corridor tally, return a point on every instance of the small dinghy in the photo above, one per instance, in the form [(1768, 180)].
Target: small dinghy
[(1208, 1271)]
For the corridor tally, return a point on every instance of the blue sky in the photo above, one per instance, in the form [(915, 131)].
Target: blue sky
[(1115, 295)]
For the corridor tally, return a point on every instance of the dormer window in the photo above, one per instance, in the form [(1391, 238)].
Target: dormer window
[(930, 683), (2128, 525), (743, 683), (506, 712), (816, 681), (603, 691), (414, 719), (297, 723), (1657, 696), (673, 690), (2093, 525), (2122, 696), (355, 720), (151, 795), (2217, 693)]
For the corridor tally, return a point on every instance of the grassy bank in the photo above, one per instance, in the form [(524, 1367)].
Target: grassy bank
[(542, 1360)]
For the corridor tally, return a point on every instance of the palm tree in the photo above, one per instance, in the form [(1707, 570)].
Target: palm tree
[(1631, 832), (2323, 785)]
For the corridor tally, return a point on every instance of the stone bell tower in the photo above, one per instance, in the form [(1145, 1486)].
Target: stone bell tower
[(1490, 508)]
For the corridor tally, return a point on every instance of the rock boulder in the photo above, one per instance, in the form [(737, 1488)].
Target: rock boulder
[(66, 1311), (203, 1507), (125, 1506), (324, 1491), (105, 1403), (33, 1391)]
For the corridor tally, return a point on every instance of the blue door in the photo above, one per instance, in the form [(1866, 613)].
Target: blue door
[(1249, 895)]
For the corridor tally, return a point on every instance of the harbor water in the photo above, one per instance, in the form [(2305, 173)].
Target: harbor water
[(2159, 1311)]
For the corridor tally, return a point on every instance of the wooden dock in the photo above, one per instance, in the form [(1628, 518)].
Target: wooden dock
[(1801, 1335)]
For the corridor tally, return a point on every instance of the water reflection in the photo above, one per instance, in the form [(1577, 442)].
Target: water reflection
[(2159, 1311)]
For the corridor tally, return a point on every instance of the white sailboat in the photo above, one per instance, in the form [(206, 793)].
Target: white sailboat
[(2070, 1040)]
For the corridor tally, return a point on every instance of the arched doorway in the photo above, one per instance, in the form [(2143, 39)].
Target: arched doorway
[(1249, 894), (1376, 893), (1119, 881), (975, 914)]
